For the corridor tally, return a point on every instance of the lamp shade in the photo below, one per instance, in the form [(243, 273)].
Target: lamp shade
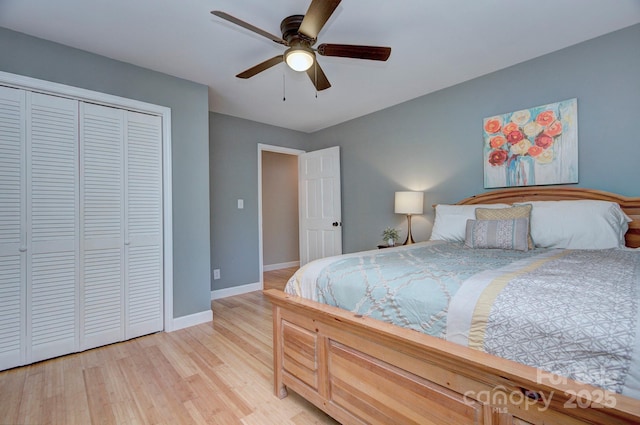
[(409, 202)]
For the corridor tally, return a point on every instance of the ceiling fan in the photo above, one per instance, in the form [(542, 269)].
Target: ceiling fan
[(299, 34)]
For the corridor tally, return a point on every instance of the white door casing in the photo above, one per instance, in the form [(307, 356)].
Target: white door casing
[(319, 204)]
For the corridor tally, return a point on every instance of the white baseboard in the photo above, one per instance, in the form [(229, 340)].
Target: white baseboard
[(236, 290), (191, 320), (272, 267)]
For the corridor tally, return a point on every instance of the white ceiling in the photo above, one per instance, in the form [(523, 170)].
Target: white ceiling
[(435, 44)]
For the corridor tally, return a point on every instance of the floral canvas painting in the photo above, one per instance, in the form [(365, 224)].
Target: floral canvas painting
[(530, 147)]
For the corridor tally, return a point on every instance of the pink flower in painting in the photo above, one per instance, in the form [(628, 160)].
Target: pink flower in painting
[(497, 157), (544, 141), (515, 136), (546, 117), (511, 127), (497, 141), (535, 150), (554, 129), (493, 125)]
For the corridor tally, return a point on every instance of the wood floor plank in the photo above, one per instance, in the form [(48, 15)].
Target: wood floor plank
[(11, 391), (100, 407), (216, 373), (75, 392)]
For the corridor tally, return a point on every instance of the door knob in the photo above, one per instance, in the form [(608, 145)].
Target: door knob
[(336, 224)]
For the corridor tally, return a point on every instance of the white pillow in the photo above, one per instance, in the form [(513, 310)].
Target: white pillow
[(451, 220), (583, 224)]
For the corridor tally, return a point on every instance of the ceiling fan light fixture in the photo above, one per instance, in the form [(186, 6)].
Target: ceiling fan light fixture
[(299, 58)]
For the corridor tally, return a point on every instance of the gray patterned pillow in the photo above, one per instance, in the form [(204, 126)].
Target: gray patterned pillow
[(502, 234), (517, 211)]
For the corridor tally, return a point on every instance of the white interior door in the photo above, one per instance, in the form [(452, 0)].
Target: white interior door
[(143, 230), (320, 205), (12, 227), (52, 226), (102, 229)]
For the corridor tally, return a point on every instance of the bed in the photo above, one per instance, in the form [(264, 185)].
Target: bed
[(360, 369)]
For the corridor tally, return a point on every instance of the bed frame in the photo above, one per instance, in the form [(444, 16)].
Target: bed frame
[(360, 370)]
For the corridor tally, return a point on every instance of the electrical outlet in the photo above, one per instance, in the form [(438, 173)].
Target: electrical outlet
[(216, 274)]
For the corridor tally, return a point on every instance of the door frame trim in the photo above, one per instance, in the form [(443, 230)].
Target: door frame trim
[(268, 148), (76, 93)]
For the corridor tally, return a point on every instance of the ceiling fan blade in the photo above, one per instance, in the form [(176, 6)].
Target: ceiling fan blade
[(317, 15), (316, 74), (260, 67), (375, 53), (248, 26)]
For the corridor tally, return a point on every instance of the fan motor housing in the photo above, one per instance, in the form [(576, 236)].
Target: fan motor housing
[(290, 26)]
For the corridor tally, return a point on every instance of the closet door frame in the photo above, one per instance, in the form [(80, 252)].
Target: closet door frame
[(56, 89)]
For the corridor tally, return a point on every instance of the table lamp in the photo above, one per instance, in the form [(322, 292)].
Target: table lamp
[(409, 203)]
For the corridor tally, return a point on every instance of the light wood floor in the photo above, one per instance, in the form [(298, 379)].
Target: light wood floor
[(278, 278), (214, 373)]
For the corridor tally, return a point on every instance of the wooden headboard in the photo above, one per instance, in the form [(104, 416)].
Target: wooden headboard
[(631, 206)]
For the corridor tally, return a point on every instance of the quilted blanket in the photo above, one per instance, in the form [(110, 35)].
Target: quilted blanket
[(571, 312)]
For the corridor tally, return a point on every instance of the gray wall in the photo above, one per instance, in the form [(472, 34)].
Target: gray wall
[(434, 143), (37, 58), (279, 208), (233, 154)]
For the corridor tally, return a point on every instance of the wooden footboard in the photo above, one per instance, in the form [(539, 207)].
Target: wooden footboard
[(363, 371)]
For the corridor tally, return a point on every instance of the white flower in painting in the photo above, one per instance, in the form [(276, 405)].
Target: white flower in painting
[(521, 148), (532, 129), (545, 157), (521, 117)]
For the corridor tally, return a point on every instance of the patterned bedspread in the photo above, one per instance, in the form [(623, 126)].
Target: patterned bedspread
[(570, 312)]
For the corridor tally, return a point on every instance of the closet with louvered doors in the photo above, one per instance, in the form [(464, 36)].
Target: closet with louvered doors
[(121, 224), (80, 226)]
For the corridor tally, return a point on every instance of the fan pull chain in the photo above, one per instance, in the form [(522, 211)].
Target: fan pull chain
[(315, 85), (284, 96)]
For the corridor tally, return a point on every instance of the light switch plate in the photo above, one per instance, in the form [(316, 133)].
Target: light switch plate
[(240, 204)]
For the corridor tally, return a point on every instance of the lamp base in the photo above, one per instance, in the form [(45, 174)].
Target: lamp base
[(409, 239)]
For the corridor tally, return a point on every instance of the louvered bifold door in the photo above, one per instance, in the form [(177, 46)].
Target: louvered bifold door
[(102, 228), (52, 208), (143, 237), (12, 227)]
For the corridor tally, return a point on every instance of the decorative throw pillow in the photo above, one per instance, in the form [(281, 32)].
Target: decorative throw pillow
[(519, 211), (502, 234), (450, 221)]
